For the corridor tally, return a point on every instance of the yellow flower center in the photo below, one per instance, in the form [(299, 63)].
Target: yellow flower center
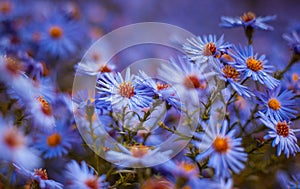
[(54, 140), (46, 108), (231, 72), (139, 151), (254, 65), (209, 49), (126, 90), (55, 32), (42, 173), (248, 16), (283, 129), (274, 104), (221, 144)]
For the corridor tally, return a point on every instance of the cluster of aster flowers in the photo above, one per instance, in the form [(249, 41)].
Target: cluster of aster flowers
[(228, 116)]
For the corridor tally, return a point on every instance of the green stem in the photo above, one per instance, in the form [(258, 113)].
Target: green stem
[(295, 58)]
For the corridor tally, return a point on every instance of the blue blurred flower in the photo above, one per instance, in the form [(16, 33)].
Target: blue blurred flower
[(83, 177), (201, 49), (59, 37), (224, 151), (278, 104), (293, 41), (56, 142), (121, 93), (248, 19), (14, 146), (138, 155), (40, 176), (281, 133), (253, 66)]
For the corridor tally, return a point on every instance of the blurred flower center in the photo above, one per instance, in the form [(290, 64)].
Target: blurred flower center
[(42, 173), (254, 65), (282, 129), (295, 77), (56, 32), (12, 65), (126, 89), (231, 72), (161, 86), (54, 139), (209, 49), (36, 36), (5, 7), (192, 82), (227, 58), (188, 167), (221, 144), (13, 138), (248, 16), (92, 183), (274, 104), (46, 108), (139, 151), (157, 183), (104, 69)]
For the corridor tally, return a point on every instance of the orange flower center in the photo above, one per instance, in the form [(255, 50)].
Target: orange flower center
[(221, 144), (248, 16), (46, 108), (188, 167), (283, 129), (104, 69), (5, 7), (42, 173), (192, 82), (274, 104), (12, 65), (231, 72), (54, 140), (209, 49), (295, 77), (13, 138), (139, 151), (56, 32), (254, 65), (157, 183), (92, 183), (161, 86), (126, 89)]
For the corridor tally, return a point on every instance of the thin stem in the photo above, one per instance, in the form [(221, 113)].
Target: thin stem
[(295, 58)]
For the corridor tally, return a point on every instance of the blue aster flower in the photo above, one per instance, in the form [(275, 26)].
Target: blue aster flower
[(40, 176), (248, 19), (229, 74), (278, 104), (56, 142), (59, 37), (200, 49), (254, 66), (123, 92), (281, 133), (223, 149), (293, 41), (288, 181), (82, 176)]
